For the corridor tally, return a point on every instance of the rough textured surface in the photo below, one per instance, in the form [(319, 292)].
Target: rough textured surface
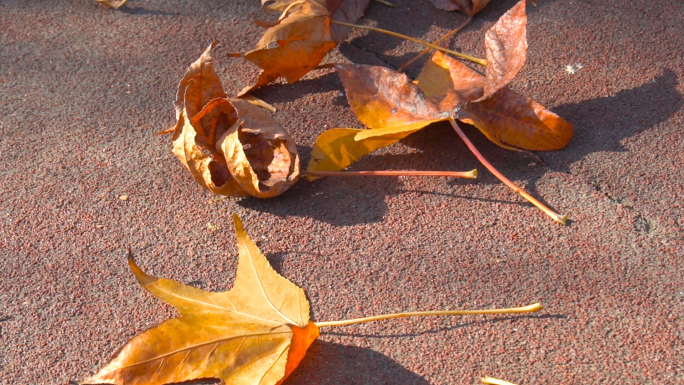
[(84, 88)]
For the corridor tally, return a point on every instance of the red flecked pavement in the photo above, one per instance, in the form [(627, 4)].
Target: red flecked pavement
[(84, 88)]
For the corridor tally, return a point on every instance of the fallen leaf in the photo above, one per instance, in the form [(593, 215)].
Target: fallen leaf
[(112, 3), (298, 42), (255, 333), (506, 49), (231, 146), (469, 7)]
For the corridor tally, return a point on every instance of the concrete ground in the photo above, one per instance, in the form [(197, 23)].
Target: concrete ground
[(84, 88)]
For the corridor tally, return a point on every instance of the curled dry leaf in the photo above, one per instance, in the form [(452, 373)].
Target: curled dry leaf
[(469, 7), (298, 42), (255, 333), (230, 146)]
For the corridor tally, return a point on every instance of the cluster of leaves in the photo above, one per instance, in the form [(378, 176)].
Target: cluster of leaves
[(259, 331), (393, 106), (255, 333), (257, 157)]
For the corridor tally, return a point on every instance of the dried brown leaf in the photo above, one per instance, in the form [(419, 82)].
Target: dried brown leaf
[(260, 154), (230, 146), (517, 122), (506, 49)]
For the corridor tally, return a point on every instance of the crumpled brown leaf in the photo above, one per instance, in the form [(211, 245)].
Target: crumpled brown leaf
[(255, 333), (506, 49), (230, 146), (112, 3), (469, 7), (303, 36)]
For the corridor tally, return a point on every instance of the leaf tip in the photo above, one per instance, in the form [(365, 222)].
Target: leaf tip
[(140, 275)]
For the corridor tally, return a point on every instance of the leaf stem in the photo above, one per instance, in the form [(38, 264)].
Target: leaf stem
[(449, 34), (562, 219), (525, 309), (455, 53), (472, 174)]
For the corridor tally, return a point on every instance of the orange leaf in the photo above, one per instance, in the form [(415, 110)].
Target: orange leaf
[(230, 146), (380, 97), (338, 148), (255, 333), (516, 122), (347, 11), (506, 49), (298, 42), (450, 81), (469, 7)]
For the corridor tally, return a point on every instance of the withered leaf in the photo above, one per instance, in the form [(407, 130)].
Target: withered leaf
[(338, 148), (294, 46), (469, 7), (506, 49), (381, 97), (255, 333), (515, 121), (392, 106), (112, 3), (230, 146), (298, 42), (347, 11)]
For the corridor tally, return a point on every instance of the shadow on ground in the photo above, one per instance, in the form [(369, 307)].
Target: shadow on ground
[(328, 363)]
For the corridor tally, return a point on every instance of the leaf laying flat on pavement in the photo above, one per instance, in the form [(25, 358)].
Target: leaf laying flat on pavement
[(255, 333), (338, 148), (392, 106), (347, 11), (381, 97), (230, 146), (303, 36), (515, 121)]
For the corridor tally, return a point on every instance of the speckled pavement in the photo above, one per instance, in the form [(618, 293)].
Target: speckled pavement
[(83, 89)]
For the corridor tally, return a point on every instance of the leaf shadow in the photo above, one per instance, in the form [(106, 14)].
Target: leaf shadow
[(140, 11), (283, 93), (338, 201), (328, 363), (602, 124)]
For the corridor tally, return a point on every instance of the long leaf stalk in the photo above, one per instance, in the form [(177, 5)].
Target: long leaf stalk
[(433, 46), (562, 219), (472, 174), (525, 309), (437, 42)]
